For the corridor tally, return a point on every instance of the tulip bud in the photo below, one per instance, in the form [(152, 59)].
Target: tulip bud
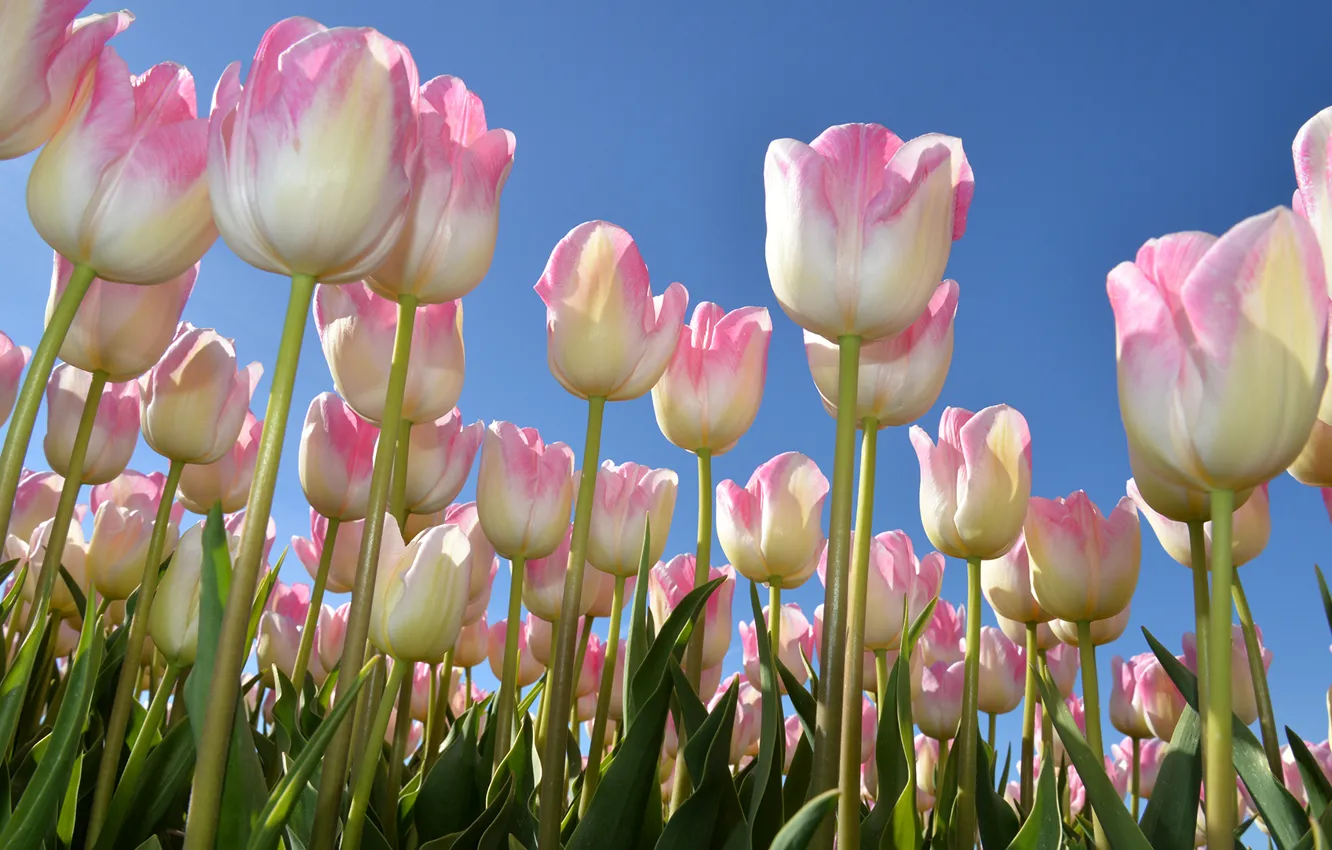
[(748, 717), (670, 581), (895, 576), (529, 669), (927, 762), (115, 429), (173, 621), (1064, 663), (1077, 710), (121, 186), (12, 360), (225, 481), (1174, 501), (540, 636), (945, 636), (606, 336), (279, 640), (524, 491), (1162, 703), (346, 551), (422, 676), (124, 513), (1084, 566), (1102, 631), (589, 672), (1006, 583), (35, 501), (421, 593), (710, 392), (441, 454), (481, 563), (543, 583), (1127, 699), (1313, 201), (195, 401), (74, 561), (449, 238), (1003, 673), (628, 499), (975, 483), (473, 644), (860, 226), (1222, 348), (235, 526), (1151, 753), (795, 644), (336, 459), (936, 698), (1251, 526), (357, 330), (319, 102), (772, 528), (1243, 701), (869, 676), (331, 634)]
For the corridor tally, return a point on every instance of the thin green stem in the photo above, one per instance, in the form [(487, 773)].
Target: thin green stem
[(774, 615), (128, 682), (989, 739), (232, 644), (964, 809), (143, 740), (428, 758), (332, 775), (398, 490), (1091, 700), (316, 602), (374, 745), (1201, 611), (1218, 768), (1047, 720), (680, 785), (597, 743), (29, 399), (560, 684), (1029, 700), (467, 687), (1262, 695), (439, 705), (401, 729), (508, 695), (1135, 778)]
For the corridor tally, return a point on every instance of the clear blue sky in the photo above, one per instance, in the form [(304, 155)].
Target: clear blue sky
[(1091, 128)]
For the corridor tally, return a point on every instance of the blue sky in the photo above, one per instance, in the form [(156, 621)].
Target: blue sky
[(1091, 128)]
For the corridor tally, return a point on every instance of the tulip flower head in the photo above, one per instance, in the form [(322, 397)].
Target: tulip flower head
[(1003, 673), (1243, 702), (481, 563), (1251, 526), (1006, 583), (12, 360), (772, 528), (603, 602), (472, 644), (1084, 565), (896, 579), (441, 454), (1151, 753), (629, 498), (795, 639), (1063, 662), (1127, 698), (115, 429), (1077, 710), (421, 593), (336, 459), (124, 512), (173, 621), (543, 582), (346, 550), (524, 491), (1102, 631), (35, 501), (74, 561), (748, 716), (529, 669), (869, 676), (670, 581), (331, 634), (945, 636), (225, 481), (279, 635), (936, 698)]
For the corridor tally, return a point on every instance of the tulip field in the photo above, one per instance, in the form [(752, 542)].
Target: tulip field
[(173, 676)]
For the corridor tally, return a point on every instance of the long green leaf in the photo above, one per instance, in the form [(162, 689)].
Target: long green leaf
[(802, 826), (75, 592), (801, 700), (691, 708), (14, 686), (712, 816), (1043, 828), (261, 594), (764, 808), (652, 670), (996, 819), (1167, 823), (519, 765), (637, 630), (451, 797), (171, 766), (891, 766), (1327, 597), (1315, 781)]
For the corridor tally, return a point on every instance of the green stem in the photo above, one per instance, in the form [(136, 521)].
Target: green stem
[(128, 682), (316, 602), (1201, 611), (427, 758), (1047, 719), (232, 645), (1029, 699), (774, 615), (398, 490), (1135, 778), (401, 729), (508, 695), (374, 745), (881, 679), (439, 705), (1091, 697), (1262, 695), (560, 684), (680, 787), (143, 739), (1219, 770), (597, 743), (828, 717), (990, 738), (964, 809), (363, 586), (467, 687), (34, 385)]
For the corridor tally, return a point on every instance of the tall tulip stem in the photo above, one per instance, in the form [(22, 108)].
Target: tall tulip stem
[(127, 683), (508, 695), (694, 654), (143, 739), (331, 780), (401, 730), (1201, 609), (427, 758), (1219, 770), (1135, 778), (774, 615), (1091, 696), (34, 385), (316, 603), (598, 740), (232, 644), (374, 745), (561, 682), (1047, 719), (968, 730), (398, 490), (1029, 698), (1262, 694)]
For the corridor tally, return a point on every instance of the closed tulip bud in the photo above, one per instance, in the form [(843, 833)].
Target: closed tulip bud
[(524, 490), (1003, 673), (748, 717), (235, 525), (869, 677), (1064, 663), (975, 483), (346, 551), (927, 762), (357, 329), (772, 528), (1017, 632), (12, 360), (1313, 201), (74, 562), (449, 238), (945, 636), (318, 102), (540, 634), (936, 698), (603, 602), (606, 336), (628, 498), (441, 454), (710, 392), (1127, 697), (895, 576), (529, 669), (124, 513), (1151, 753), (225, 481), (1084, 566), (115, 429), (279, 635), (1006, 583), (1222, 346), (1077, 710), (1162, 703), (173, 621), (589, 674), (1251, 526), (414, 732), (121, 186), (473, 643), (421, 679), (480, 565), (1292, 774), (336, 459), (670, 581), (860, 226), (331, 634), (35, 501), (795, 644), (543, 582), (1243, 701), (901, 376), (1102, 631), (421, 593)]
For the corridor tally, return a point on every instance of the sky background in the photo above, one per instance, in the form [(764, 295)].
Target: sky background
[(1090, 127)]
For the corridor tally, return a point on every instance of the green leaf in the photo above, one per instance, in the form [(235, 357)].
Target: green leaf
[(1327, 597), (764, 808), (711, 816), (1168, 824), (15, 593), (171, 766), (636, 646), (14, 686), (451, 798), (691, 709), (1043, 829), (530, 697), (69, 807), (801, 700), (151, 844), (652, 670), (261, 594), (287, 731), (906, 833), (519, 766), (1315, 781), (804, 824), (891, 766), (797, 776), (996, 819), (72, 584)]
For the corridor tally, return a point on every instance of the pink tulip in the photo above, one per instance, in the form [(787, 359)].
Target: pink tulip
[(540, 634), (1175, 501), (357, 328), (1078, 711), (629, 498), (1127, 698), (927, 763), (895, 576), (900, 377), (318, 102), (346, 551), (115, 430), (748, 717), (331, 634), (670, 581), (1017, 632), (50, 57), (710, 392), (1084, 566), (1162, 703), (421, 678), (772, 528), (1151, 753), (868, 674), (869, 729), (603, 601), (235, 526), (120, 187), (458, 697), (1290, 770), (440, 458), (945, 637), (1251, 526), (421, 593), (1221, 346), (1102, 631), (133, 491), (1064, 663), (936, 698), (124, 512), (1003, 673), (74, 562), (1077, 793), (280, 630), (1006, 583), (337, 456), (473, 643), (860, 226), (794, 731), (975, 483), (35, 502), (449, 238), (225, 481), (795, 644), (543, 582), (589, 674), (606, 336), (529, 669), (414, 732), (12, 360), (524, 490), (1243, 701)]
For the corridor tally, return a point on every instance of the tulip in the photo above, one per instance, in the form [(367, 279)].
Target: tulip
[(336, 459), (35, 502), (606, 336), (440, 457), (528, 670), (173, 622), (936, 699), (1162, 703), (332, 631), (1127, 697), (449, 238), (1063, 663), (195, 401), (945, 637), (1251, 526), (235, 525), (1290, 769), (1006, 582), (12, 360), (589, 672), (115, 430), (900, 377), (357, 330), (1102, 631), (772, 528), (1084, 566), (670, 581), (226, 481), (422, 678), (279, 633), (538, 634), (1017, 632), (122, 529), (74, 559), (1150, 754), (480, 565), (795, 644), (524, 490), (120, 187), (896, 578), (1178, 502), (472, 644), (869, 675), (1002, 672), (346, 548), (710, 392), (748, 716), (319, 102), (860, 226), (543, 583), (602, 587), (1077, 711), (1243, 702), (794, 732), (421, 593), (629, 498), (927, 762)]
